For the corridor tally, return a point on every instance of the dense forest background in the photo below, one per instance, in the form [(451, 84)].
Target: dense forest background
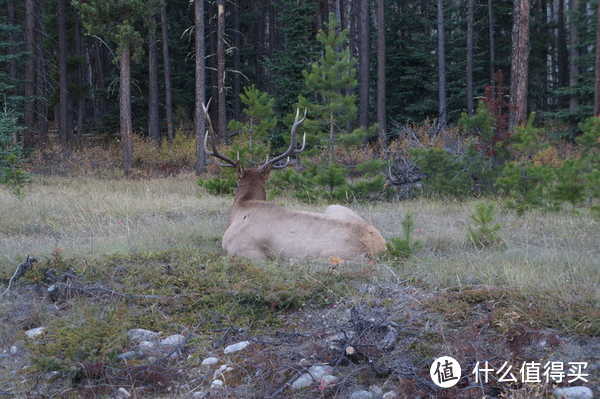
[(76, 73)]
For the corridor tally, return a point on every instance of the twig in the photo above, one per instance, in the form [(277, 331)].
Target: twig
[(19, 272)]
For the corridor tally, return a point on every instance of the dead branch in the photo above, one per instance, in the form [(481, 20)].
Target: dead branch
[(19, 272)]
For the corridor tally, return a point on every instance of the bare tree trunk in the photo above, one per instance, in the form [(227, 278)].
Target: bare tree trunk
[(64, 125), (41, 82), (236, 61), (12, 21), (28, 138), (164, 23), (99, 84), (364, 63), (81, 79), (381, 122), (125, 108), (153, 122), (199, 121), (492, 42), (470, 103), (563, 55), (519, 63), (573, 55), (597, 97), (442, 100), (221, 67)]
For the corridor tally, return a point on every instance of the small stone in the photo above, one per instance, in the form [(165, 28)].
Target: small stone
[(361, 395), (139, 334), (35, 332), (236, 347), (146, 346), (573, 393), (376, 390), (123, 393), (173, 340), (210, 361), (127, 355), (350, 350), (318, 371), (199, 395), (304, 381), (222, 370), (216, 384), (14, 349), (328, 379), (305, 362), (390, 395)]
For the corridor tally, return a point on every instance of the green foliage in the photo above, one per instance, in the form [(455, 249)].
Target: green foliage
[(480, 124), (404, 247), (331, 177), (484, 232), (445, 173), (525, 185), (99, 336), (225, 185), (327, 81), (254, 133), (11, 158), (590, 138)]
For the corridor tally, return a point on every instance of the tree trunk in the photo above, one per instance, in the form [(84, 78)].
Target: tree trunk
[(364, 64), (221, 67), (41, 82), (100, 84), (573, 55), (64, 125), (597, 99), (199, 120), (12, 21), (164, 23), (236, 61), (125, 108), (470, 104), (81, 79), (381, 122), (519, 63), (563, 55), (442, 101), (153, 122), (28, 138), (492, 42)]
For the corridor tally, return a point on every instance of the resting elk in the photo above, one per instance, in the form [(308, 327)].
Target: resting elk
[(259, 229)]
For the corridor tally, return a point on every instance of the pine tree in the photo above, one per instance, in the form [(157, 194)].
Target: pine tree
[(329, 79), (11, 156)]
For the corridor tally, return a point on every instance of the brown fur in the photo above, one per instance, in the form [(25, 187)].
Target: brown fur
[(259, 229)]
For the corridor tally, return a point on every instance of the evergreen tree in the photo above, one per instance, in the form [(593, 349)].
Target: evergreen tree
[(11, 156), (328, 80)]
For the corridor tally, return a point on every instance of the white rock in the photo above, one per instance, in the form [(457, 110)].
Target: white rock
[(328, 379), (173, 340), (14, 349), (305, 380), (210, 361), (390, 395), (216, 384), (376, 390), (318, 371), (139, 334), (236, 347), (146, 346), (199, 395), (123, 393), (35, 332), (222, 370), (573, 393), (361, 395)]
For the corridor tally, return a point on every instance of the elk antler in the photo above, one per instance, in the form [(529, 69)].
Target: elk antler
[(214, 152), (292, 150)]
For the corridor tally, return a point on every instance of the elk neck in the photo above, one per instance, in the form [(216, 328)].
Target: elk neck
[(251, 186)]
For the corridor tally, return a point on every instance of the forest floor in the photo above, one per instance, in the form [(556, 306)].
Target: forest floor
[(119, 255)]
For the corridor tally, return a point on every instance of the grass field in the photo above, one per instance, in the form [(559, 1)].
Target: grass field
[(546, 273)]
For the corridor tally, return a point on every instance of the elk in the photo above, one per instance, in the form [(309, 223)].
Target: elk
[(259, 229)]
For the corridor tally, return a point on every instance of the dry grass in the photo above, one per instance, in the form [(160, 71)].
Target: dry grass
[(544, 252)]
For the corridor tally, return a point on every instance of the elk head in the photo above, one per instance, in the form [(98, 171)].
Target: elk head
[(252, 181)]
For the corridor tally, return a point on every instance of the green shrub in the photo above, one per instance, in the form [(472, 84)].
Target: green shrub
[(371, 167), (219, 185), (484, 232), (445, 173), (404, 247), (11, 157), (526, 186)]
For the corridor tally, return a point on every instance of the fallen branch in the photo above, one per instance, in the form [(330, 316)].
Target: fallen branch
[(19, 272)]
